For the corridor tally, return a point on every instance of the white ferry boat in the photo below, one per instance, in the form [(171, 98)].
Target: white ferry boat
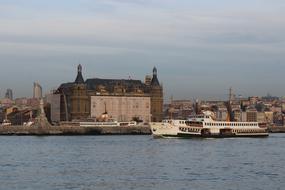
[(206, 126)]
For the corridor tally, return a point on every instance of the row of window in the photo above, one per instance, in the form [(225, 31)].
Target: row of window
[(189, 129), (231, 124), (246, 131)]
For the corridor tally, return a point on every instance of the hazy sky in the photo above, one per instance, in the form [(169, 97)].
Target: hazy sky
[(200, 47)]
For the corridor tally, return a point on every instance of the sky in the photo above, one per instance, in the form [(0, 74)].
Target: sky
[(200, 48)]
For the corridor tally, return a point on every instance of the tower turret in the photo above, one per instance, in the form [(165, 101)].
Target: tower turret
[(154, 81), (156, 92), (79, 79), (79, 100)]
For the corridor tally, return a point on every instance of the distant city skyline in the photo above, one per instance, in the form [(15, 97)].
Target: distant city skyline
[(200, 48)]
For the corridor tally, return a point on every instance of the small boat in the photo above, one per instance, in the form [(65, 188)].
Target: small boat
[(6, 122), (205, 125)]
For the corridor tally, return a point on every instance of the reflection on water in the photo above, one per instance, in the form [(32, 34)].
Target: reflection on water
[(141, 162)]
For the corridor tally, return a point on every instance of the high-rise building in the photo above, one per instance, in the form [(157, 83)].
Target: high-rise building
[(9, 94), (37, 91)]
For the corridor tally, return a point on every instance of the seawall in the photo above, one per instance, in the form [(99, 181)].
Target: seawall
[(74, 130), (279, 129)]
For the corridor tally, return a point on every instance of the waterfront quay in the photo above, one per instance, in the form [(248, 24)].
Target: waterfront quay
[(276, 129), (70, 129)]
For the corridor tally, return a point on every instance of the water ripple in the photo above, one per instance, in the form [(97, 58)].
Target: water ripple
[(141, 162)]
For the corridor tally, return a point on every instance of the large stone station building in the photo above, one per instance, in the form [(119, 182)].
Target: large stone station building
[(121, 99)]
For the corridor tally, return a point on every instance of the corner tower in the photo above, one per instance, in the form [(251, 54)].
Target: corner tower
[(79, 98), (156, 95)]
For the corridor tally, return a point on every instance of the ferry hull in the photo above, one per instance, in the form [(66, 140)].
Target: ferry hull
[(187, 136)]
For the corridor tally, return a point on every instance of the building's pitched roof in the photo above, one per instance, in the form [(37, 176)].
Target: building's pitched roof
[(109, 84), (65, 88)]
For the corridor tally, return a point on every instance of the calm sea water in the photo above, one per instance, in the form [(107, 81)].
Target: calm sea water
[(141, 162)]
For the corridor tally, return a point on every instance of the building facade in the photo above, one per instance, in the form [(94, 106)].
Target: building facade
[(77, 98), (121, 108), (54, 101)]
